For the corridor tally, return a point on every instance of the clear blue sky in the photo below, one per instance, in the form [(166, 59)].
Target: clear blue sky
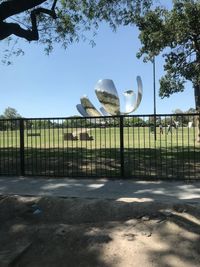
[(50, 86)]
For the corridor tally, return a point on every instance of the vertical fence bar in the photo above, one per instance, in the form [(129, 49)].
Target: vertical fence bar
[(21, 123), (121, 125)]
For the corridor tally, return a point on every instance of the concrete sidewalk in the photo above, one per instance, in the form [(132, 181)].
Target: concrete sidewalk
[(128, 190)]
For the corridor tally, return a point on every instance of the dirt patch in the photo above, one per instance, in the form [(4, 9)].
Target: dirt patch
[(75, 232)]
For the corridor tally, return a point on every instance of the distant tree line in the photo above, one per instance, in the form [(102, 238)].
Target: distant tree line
[(7, 122)]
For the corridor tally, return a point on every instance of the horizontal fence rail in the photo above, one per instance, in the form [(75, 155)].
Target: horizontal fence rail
[(134, 146)]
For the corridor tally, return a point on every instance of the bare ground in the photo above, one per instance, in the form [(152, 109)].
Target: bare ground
[(60, 232)]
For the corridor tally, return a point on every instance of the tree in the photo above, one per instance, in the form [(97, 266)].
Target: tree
[(190, 110), (7, 123), (11, 113), (63, 21), (175, 34), (134, 121), (177, 111)]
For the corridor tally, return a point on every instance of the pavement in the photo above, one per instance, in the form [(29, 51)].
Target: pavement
[(118, 189)]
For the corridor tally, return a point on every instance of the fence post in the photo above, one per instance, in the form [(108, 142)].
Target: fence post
[(122, 145), (21, 123)]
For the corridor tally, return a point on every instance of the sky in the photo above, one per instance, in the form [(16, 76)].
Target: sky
[(37, 85)]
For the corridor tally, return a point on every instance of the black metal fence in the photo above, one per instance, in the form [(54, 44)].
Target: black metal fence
[(142, 147)]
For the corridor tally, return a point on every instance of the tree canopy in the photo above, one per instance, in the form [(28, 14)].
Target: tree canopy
[(175, 34), (63, 21), (10, 113)]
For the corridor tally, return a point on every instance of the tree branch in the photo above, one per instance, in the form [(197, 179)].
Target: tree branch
[(54, 4), (49, 12), (6, 29), (13, 7)]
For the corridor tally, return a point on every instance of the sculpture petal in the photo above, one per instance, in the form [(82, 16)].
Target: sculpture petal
[(108, 96), (140, 92), (129, 101), (104, 112), (89, 107), (81, 110), (132, 105)]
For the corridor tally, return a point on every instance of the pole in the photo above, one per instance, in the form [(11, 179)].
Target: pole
[(21, 123), (121, 125), (154, 96)]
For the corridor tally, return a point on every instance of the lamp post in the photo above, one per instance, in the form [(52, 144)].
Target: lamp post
[(154, 96)]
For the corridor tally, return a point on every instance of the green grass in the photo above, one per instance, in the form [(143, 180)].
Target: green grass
[(173, 155), (138, 137)]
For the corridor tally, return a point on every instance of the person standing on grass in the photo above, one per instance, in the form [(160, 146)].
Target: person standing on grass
[(161, 128), (169, 128), (172, 124)]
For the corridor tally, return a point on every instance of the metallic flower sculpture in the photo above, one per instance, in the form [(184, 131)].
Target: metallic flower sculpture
[(107, 95)]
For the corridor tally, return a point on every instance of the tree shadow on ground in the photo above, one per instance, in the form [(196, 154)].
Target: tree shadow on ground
[(47, 242), (180, 238), (77, 232), (149, 163)]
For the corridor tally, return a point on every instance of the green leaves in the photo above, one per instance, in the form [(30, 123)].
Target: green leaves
[(175, 34), (170, 84), (77, 19)]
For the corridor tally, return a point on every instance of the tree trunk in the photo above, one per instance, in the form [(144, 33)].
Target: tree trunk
[(197, 103)]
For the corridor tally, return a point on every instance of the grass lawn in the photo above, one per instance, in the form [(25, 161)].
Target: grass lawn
[(172, 155), (137, 137)]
